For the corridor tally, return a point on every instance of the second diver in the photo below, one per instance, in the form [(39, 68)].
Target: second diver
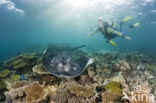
[(110, 31)]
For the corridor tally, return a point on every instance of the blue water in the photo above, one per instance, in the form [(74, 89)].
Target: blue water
[(29, 25)]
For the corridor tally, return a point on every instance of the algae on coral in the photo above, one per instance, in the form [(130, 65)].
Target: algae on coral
[(114, 87), (152, 67), (14, 77), (2, 84), (18, 66), (4, 73), (17, 61), (28, 56)]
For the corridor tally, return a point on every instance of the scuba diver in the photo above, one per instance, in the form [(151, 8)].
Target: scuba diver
[(110, 31)]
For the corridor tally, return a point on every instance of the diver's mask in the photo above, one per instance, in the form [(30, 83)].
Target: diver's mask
[(100, 23)]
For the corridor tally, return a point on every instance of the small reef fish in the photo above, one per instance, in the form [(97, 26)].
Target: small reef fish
[(23, 77), (139, 67)]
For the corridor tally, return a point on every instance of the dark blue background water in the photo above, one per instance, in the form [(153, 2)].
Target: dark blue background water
[(28, 25)]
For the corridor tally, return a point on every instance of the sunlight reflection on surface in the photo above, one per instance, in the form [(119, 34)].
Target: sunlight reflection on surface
[(84, 3)]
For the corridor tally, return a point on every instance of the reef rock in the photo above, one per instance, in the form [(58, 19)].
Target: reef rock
[(51, 90), (19, 84), (15, 93), (123, 66)]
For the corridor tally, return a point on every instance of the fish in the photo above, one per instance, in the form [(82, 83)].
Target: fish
[(139, 66)]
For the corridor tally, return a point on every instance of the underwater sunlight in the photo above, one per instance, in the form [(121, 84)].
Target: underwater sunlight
[(77, 51)]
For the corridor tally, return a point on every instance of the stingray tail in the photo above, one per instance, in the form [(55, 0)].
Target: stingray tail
[(82, 46)]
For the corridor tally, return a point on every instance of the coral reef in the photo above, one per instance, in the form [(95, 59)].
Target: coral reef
[(114, 87), (14, 77), (34, 93), (39, 69), (51, 90), (48, 79), (151, 66), (29, 56), (21, 61), (19, 65), (2, 84), (64, 96), (108, 97), (123, 66), (4, 73), (112, 77), (19, 84), (14, 93), (82, 91)]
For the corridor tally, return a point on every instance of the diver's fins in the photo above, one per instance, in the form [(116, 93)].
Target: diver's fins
[(114, 26), (127, 18), (93, 33), (135, 25), (112, 42)]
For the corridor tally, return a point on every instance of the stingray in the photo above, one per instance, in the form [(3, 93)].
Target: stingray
[(63, 64)]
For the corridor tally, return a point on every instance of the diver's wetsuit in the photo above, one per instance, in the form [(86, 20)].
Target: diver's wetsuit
[(103, 30), (108, 32)]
